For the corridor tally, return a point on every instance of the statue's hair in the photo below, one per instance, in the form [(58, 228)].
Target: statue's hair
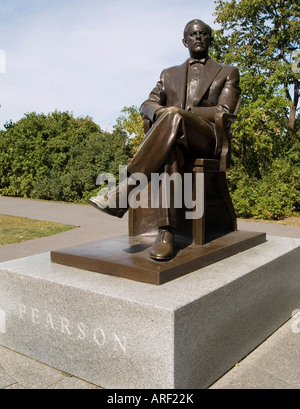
[(209, 30)]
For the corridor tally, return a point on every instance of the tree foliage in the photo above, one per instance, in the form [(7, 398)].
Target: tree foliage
[(57, 156), (261, 38), (131, 122)]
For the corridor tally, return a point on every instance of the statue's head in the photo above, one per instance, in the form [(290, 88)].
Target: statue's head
[(197, 37)]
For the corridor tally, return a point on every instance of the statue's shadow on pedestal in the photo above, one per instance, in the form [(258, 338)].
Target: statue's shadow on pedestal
[(137, 248), (128, 257)]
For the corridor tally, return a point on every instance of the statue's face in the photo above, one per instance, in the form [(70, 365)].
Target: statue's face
[(197, 40)]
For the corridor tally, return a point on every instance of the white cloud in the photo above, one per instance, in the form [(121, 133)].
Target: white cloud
[(92, 57)]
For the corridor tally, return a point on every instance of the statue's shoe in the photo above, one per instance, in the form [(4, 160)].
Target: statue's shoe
[(163, 247), (102, 203), (110, 203)]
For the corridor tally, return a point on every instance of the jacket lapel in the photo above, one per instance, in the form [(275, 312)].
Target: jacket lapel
[(211, 69), (180, 82)]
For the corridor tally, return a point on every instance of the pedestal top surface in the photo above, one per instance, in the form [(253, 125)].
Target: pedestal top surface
[(171, 295)]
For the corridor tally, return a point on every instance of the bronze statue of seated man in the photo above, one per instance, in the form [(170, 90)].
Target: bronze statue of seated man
[(181, 109)]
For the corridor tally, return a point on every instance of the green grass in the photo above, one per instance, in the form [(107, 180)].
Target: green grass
[(15, 229)]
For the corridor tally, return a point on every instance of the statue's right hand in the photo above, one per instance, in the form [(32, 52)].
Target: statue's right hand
[(158, 113)]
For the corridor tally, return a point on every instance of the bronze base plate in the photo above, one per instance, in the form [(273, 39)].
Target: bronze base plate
[(128, 257)]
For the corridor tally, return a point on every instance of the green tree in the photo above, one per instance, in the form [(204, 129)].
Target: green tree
[(132, 123), (57, 156), (261, 37)]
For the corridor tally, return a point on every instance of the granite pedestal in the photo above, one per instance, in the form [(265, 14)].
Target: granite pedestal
[(119, 333)]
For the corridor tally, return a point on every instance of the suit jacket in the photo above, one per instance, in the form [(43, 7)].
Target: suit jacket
[(219, 90)]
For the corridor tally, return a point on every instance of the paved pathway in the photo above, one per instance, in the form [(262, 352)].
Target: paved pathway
[(274, 364)]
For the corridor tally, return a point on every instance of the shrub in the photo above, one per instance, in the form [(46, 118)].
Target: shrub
[(57, 157), (273, 196)]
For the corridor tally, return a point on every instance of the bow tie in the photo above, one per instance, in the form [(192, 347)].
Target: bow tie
[(193, 61)]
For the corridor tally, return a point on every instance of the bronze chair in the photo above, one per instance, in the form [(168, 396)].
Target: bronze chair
[(218, 216)]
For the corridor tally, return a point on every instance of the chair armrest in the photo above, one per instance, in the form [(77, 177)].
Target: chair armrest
[(223, 120), (147, 125)]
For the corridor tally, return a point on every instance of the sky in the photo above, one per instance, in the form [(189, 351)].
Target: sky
[(92, 57)]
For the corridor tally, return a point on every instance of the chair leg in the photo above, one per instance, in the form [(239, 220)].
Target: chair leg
[(198, 224), (218, 215), (227, 199)]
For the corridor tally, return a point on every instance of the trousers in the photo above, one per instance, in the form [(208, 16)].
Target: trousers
[(177, 136)]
